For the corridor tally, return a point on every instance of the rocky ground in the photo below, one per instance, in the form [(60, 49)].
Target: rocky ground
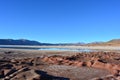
[(23, 65)]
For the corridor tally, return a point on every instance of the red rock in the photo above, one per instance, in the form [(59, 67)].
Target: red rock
[(55, 62), (116, 67), (79, 64), (53, 59), (89, 64), (94, 58), (59, 59), (76, 62), (46, 59), (70, 63), (109, 66), (114, 72), (31, 59), (66, 61), (98, 64)]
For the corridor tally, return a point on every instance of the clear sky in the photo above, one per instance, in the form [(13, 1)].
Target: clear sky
[(58, 21)]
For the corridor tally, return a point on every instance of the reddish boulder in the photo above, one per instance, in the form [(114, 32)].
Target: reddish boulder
[(51, 60), (116, 67), (79, 64), (109, 66), (46, 59), (94, 58), (98, 64), (115, 72), (70, 63), (66, 61), (76, 62), (89, 64), (59, 59)]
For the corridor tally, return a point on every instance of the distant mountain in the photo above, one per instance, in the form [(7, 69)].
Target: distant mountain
[(31, 42), (114, 41), (20, 42)]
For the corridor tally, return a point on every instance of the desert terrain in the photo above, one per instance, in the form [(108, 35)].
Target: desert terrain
[(60, 40), (16, 64)]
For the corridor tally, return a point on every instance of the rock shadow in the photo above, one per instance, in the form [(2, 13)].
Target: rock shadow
[(45, 76)]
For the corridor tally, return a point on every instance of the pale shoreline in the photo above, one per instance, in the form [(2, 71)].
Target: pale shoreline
[(68, 47)]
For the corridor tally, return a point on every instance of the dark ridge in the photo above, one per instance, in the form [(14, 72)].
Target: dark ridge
[(20, 42), (31, 42)]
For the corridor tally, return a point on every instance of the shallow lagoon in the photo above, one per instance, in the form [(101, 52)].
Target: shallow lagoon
[(48, 49)]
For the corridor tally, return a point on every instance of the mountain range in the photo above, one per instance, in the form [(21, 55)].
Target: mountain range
[(20, 42), (115, 42)]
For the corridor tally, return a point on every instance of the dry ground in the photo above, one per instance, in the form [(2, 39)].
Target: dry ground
[(17, 60)]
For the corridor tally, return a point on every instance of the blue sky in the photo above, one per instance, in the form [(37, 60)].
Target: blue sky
[(60, 21)]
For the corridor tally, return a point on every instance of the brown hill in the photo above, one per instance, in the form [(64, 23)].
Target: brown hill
[(113, 42)]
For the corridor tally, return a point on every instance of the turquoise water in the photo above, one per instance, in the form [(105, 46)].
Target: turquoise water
[(49, 49), (65, 49)]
